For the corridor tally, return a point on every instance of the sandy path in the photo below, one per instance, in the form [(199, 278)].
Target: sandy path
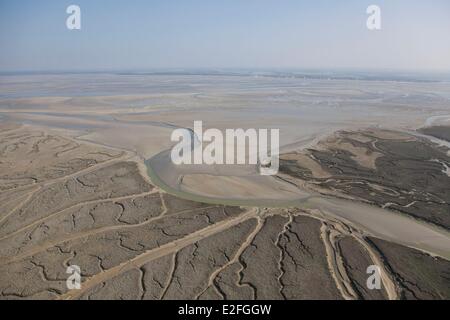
[(335, 262), (387, 225), (235, 259), (159, 252), (80, 235), (80, 204), (388, 283), (21, 201)]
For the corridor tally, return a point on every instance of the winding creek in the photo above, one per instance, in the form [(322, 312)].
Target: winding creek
[(372, 220)]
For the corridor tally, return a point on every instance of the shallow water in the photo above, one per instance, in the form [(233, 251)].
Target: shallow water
[(376, 221), (138, 112)]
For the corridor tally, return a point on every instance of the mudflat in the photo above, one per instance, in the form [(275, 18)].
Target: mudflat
[(440, 132), (75, 203), (392, 170)]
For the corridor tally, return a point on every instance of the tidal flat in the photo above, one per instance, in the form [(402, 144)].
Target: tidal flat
[(363, 181)]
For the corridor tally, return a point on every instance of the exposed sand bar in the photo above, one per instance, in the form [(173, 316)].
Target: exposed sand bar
[(253, 200), (437, 120), (375, 221), (439, 142), (231, 184), (387, 225)]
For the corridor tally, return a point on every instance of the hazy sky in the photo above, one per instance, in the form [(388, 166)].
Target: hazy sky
[(145, 34)]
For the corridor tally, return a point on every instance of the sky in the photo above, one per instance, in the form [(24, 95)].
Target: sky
[(153, 34)]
